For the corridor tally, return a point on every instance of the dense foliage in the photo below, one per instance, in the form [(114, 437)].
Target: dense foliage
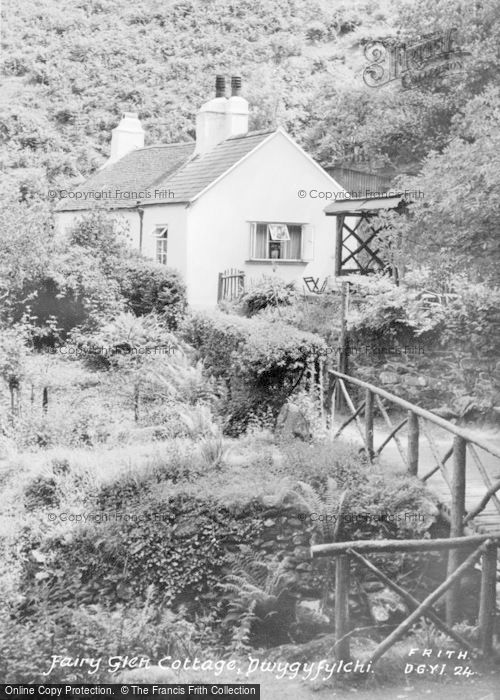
[(262, 363), (302, 67), (84, 284), (267, 292), (150, 287)]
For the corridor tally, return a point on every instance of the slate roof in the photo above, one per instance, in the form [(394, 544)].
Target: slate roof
[(167, 174)]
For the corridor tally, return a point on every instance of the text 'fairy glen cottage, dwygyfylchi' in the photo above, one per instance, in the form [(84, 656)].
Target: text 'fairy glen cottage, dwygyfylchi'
[(232, 199)]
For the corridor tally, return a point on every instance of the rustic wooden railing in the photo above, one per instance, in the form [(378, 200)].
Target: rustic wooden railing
[(484, 548), (416, 420)]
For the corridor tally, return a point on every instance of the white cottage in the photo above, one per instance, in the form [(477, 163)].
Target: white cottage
[(233, 199)]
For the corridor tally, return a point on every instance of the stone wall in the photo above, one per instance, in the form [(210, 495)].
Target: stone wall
[(289, 535), (456, 384)]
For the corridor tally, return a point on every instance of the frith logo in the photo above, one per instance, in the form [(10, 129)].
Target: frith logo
[(412, 64)]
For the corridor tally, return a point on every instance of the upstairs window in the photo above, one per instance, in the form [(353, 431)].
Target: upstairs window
[(161, 235), (276, 241)]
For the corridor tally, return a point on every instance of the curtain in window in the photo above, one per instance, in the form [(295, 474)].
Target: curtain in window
[(290, 250), (261, 249)]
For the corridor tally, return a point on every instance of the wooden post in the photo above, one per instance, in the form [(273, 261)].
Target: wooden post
[(342, 646), (45, 399), (321, 391), (487, 603), (343, 360), (413, 430), (456, 524), (137, 402), (219, 288), (369, 402), (338, 246), (14, 389)]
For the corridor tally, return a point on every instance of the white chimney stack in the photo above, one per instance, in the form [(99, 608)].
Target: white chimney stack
[(126, 137), (221, 118), (237, 110)]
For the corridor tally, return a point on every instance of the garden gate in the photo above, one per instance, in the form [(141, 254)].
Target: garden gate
[(231, 285)]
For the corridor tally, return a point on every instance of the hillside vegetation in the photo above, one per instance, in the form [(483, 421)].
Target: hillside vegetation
[(70, 69)]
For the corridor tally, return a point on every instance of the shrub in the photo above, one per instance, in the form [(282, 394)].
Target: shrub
[(268, 291), (318, 314), (40, 491), (126, 340), (261, 363), (103, 235), (392, 314), (73, 292), (150, 287), (473, 321)]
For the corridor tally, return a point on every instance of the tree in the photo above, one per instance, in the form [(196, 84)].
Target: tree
[(455, 225)]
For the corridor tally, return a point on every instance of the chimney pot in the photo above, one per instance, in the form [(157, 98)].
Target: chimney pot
[(220, 86), (235, 85)]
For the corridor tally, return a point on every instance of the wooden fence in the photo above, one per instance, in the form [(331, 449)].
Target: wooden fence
[(484, 548), (231, 284), (463, 533)]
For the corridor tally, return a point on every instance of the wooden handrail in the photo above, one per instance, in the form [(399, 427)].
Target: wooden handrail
[(423, 413), (391, 546)]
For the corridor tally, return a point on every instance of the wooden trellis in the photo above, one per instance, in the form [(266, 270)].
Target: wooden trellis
[(357, 250), (357, 243)]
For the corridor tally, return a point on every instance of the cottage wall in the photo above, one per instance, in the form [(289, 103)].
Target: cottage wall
[(173, 216), (264, 187)]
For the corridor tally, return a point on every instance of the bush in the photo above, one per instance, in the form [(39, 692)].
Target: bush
[(40, 491), (126, 341), (386, 314), (269, 291), (261, 363), (473, 321), (150, 287), (104, 236), (73, 292)]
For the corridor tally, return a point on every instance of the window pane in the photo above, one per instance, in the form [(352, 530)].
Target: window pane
[(161, 251), (261, 241)]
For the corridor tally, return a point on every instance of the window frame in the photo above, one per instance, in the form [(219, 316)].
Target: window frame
[(270, 242), (160, 234)]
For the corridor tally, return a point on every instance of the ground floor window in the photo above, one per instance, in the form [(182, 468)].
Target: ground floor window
[(161, 235), (276, 241)]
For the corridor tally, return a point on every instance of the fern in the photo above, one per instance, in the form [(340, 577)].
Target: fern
[(329, 506), (252, 582)]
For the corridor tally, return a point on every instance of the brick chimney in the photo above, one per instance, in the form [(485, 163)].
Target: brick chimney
[(126, 137), (221, 118)]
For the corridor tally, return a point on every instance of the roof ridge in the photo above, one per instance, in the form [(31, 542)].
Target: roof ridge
[(260, 132), (164, 145)]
